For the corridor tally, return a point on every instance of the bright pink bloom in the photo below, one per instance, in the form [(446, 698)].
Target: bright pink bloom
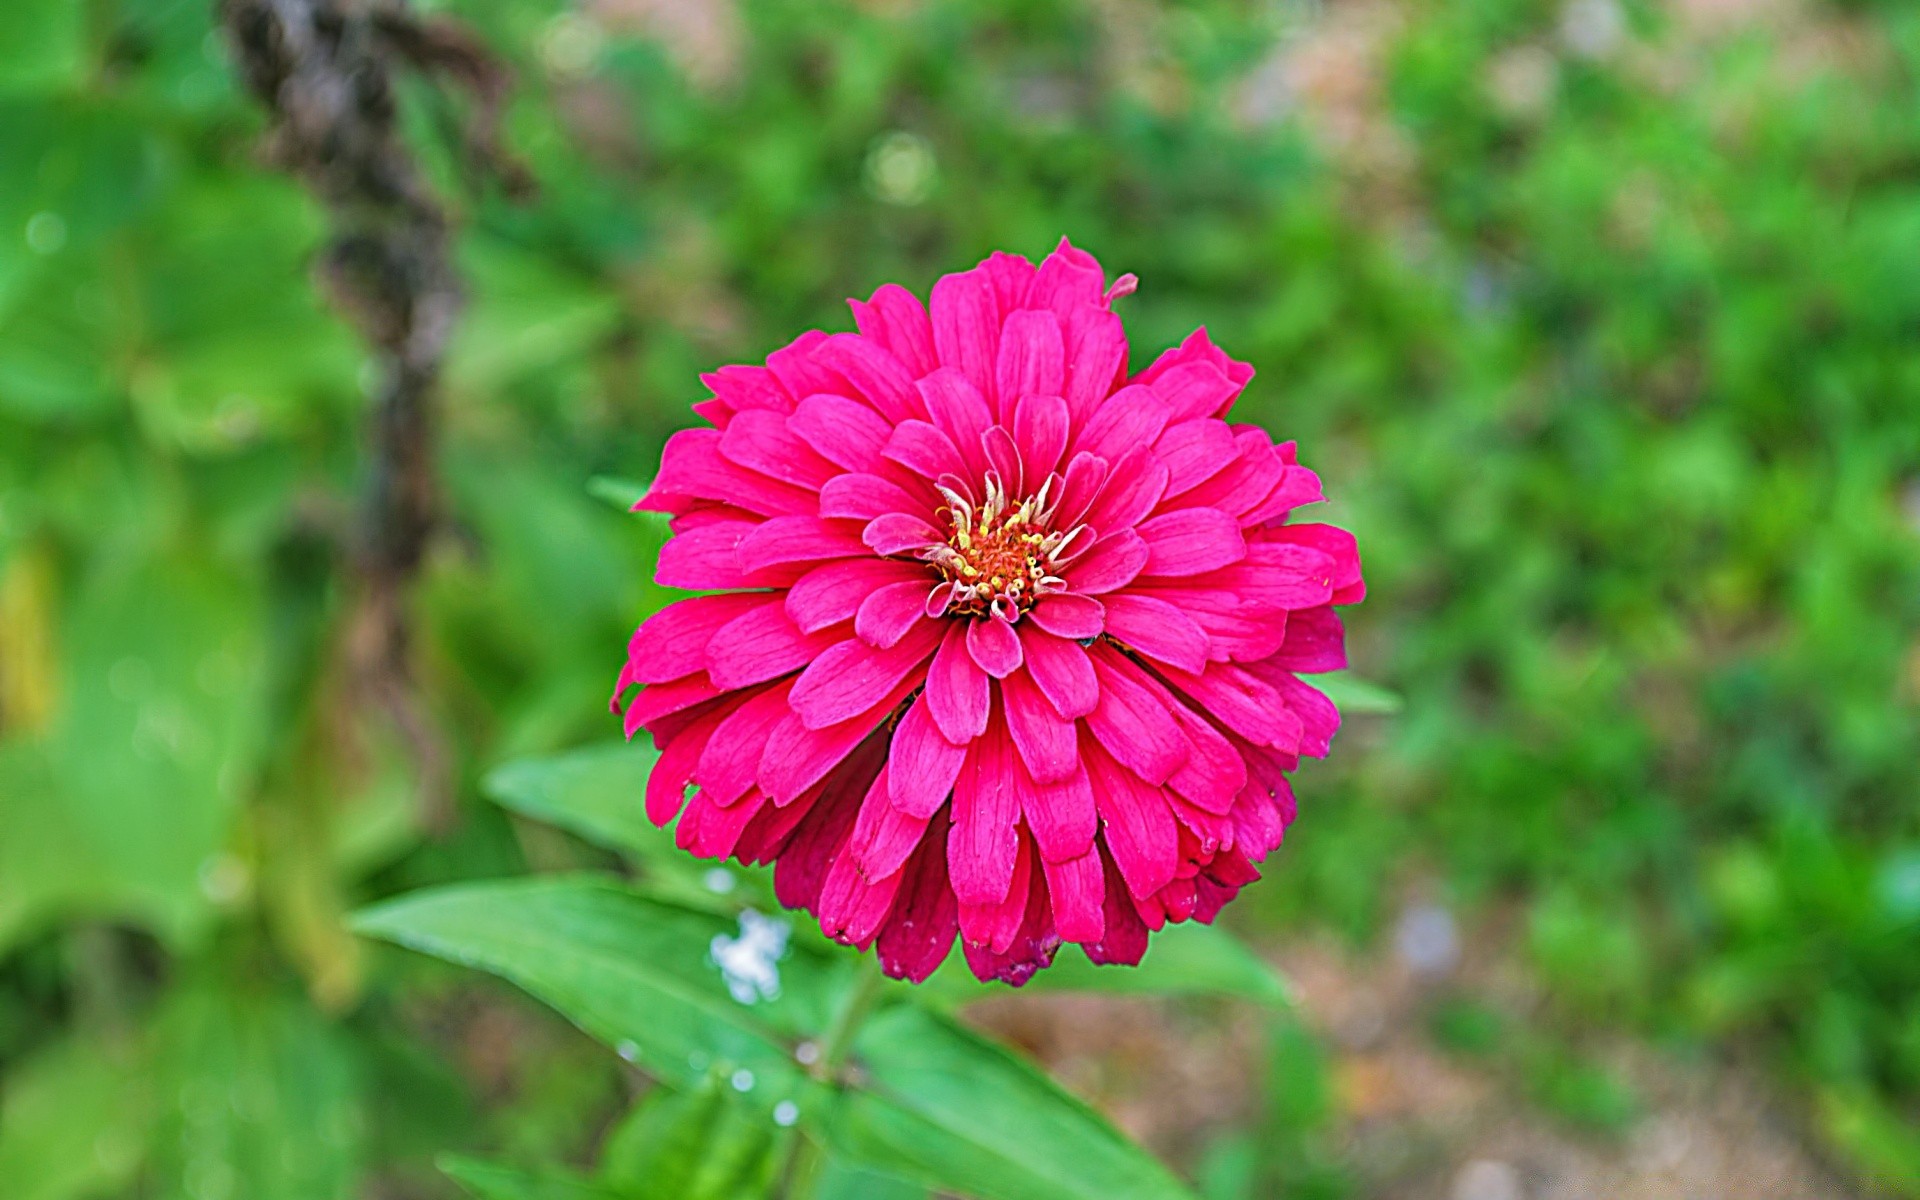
[(999, 640)]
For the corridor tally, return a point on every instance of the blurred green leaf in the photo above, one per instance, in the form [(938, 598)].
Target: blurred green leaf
[(265, 1097), (74, 1121), (620, 492), (598, 793), (944, 1106), (43, 45), (692, 1145), (1356, 695), (491, 1181), (634, 972)]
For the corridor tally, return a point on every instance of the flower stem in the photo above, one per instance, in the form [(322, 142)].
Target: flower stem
[(800, 1173)]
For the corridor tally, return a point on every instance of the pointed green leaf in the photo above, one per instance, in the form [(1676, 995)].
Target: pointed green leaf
[(942, 1105), (635, 972), (697, 1145), (491, 1181), (598, 793), (1355, 695)]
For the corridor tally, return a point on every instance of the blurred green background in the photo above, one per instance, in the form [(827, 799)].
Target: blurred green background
[(1599, 319)]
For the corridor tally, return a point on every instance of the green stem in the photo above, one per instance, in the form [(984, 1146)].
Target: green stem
[(800, 1174)]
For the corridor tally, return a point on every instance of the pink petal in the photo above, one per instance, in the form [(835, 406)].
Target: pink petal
[(673, 642), (1114, 562), (800, 371), (966, 326), (984, 844), (704, 559), (874, 373), (1062, 671), (798, 757), (1124, 942), (692, 465), (1069, 615), (1195, 389), (800, 872), (925, 450), (1337, 543), (1214, 773), (730, 764), (1243, 703), (885, 836), (1134, 486), (993, 925), (1319, 719), (1194, 452), (994, 646), (1136, 825), (1316, 642), (960, 412), (1252, 475), (1086, 475), (761, 645), (665, 699), (1047, 742), (957, 695), (1158, 630), (849, 678), (864, 497), (919, 935), (1096, 358), (1004, 457), (886, 615), (1133, 720), (709, 830), (853, 905), (1067, 278), (787, 540), (924, 762), (764, 442), (1040, 430), (1077, 887), (895, 318), (1191, 541), (1032, 359), (667, 783), (899, 533), (1061, 815), (743, 389), (832, 592), (845, 432), (1130, 418)]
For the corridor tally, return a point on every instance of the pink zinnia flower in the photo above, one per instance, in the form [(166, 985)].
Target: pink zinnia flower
[(1000, 640)]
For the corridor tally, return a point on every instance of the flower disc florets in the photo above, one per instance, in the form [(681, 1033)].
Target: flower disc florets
[(999, 557), (1000, 639)]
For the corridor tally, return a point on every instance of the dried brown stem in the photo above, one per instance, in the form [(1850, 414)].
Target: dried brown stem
[(326, 71)]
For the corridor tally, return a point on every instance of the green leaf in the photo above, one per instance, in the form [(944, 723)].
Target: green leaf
[(1188, 959), (842, 1181), (623, 494), (943, 1106), (1355, 695), (635, 972), (267, 1097), (74, 1122), (694, 1145), (491, 1181), (43, 44), (598, 793)]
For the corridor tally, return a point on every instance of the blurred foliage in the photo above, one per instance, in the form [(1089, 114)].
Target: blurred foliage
[(1597, 318)]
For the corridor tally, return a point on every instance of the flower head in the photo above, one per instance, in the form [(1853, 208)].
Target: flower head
[(999, 640)]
